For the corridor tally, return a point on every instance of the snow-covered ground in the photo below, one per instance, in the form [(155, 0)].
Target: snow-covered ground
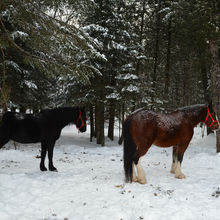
[(90, 183)]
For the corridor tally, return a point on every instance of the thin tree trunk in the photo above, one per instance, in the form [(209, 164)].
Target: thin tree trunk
[(138, 67), (123, 113), (156, 50), (203, 70), (100, 137), (96, 115), (4, 89), (167, 67), (91, 115), (119, 121), (111, 120), (215, 76)]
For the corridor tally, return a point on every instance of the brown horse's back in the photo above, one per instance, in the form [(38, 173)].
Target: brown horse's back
[(163, 130), (173, 129)]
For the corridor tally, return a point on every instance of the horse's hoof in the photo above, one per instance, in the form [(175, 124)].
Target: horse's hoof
[(43, 168), (134, 179), (142, 181), (53, 169), (180, 176)]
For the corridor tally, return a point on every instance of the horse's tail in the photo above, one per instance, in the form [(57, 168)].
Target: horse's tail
[(129, 150)]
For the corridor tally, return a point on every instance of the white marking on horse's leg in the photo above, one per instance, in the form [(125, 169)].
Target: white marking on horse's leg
[(141, 173), (178, 172), (134, 176), (173, 167)]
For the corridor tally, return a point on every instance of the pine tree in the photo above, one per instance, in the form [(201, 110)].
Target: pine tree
[(35, 42), (107, 25)]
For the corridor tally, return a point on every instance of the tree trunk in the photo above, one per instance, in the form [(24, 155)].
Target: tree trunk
[(156, 50), (138, 67), (119, 121), (205, 83), (4, 89), (123, 113), (91, 115), (96, 115), (215, 76), (100, 137), (218, 141), (167, 67), (111, 120), (203, 70)]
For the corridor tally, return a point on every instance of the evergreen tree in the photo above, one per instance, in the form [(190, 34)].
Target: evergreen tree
[(106, 24), (35, 42)]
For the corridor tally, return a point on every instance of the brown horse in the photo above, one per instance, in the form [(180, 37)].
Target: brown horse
[(143, 128)]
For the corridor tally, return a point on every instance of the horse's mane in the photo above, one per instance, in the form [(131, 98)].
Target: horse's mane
[(191, 108), (139, 110), (59, 110)]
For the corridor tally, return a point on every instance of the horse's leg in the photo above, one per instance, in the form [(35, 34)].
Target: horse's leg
[(3, 141), (141, 174), (134, 176), (50, 156), (180, 152), (174, 159), (141, 177), (4, 136), (43, 155)]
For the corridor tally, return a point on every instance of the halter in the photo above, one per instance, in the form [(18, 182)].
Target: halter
[(82, 122), (209, 115)]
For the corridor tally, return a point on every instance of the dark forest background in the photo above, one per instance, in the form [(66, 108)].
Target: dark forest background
[(110, 56)]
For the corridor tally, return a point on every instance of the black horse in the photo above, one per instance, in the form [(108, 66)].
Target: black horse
[(44, 127)]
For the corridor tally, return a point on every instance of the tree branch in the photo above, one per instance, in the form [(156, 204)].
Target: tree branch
[(2, 26)]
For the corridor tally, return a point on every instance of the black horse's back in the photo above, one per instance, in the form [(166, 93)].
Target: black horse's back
[(8, 117), (23, 128)]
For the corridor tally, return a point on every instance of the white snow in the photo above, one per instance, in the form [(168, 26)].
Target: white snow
[(30, 84), (113, 95), (13, 65), (95, 27), (127, 76), (90, 182), (131, 88), (18, 34)]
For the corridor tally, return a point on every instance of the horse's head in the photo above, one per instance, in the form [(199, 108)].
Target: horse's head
[(81, 120), (211, 119)]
